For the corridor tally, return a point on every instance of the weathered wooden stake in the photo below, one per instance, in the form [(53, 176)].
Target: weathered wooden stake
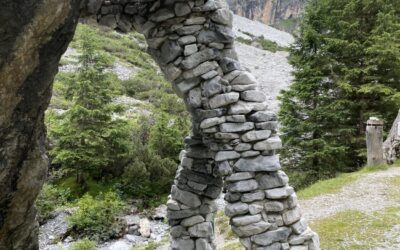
[(374, 134)]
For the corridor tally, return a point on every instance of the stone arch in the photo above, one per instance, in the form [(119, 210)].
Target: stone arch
[(233, 141)]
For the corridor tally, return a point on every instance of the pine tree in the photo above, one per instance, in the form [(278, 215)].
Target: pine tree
[(88, 139), (346, 61)]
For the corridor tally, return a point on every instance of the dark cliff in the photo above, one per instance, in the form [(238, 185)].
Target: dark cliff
[(282, 14)]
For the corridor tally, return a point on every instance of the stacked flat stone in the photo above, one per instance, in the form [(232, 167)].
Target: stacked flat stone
[(234, 136)]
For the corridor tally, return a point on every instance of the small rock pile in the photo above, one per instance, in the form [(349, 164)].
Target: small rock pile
[(234, 136)]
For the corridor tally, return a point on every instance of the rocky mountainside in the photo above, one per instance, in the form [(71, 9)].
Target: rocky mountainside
[(272, 70), (282, 14)]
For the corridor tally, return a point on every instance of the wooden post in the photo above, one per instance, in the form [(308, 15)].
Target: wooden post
[(374, 134)]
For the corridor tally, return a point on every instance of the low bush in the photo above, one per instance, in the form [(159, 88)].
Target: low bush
[(49, 199), (98, 218), (83, 245)]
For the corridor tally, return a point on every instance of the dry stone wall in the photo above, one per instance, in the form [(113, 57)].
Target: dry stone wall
[(234, 138)]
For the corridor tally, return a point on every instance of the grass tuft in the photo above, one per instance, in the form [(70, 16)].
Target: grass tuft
[(334, 185), (356, 230)]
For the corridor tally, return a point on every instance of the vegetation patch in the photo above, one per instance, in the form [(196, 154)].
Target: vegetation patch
[(261, 42), (83, 245), (334, 185), (232, 246), (98, 218), (223, 226), (355, 230)]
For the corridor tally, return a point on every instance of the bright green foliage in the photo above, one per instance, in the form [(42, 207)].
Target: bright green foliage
[(87, 138), (265, 44), (356, 230), (166, 136), (49, 199), (98, 218), (347, 68), (83, 245)]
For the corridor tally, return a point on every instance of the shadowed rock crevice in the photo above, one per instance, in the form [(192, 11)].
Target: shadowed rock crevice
[(31, 54)]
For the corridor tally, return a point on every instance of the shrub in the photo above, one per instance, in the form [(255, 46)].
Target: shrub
[(98, 218), (83, 245), (148, 175), (49, 199)]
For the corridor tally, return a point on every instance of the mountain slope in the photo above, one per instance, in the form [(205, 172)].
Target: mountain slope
[(272, 70), (283, 14)]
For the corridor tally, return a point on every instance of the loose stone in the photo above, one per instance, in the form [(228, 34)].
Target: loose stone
[(240, 176), (210, 122), (236, 118), (263, 116), (236, 209), (200, 70), (199, 57), (253, 96), (246, 220), (226, 136), (265, 239), (256, 135), (272, 180), (259, 163), (272, 143), (300, 226), (249, 154), (187, 198), (255, 196), (236, 127), (226, 155), (223, 100), (273, 206), (273, 125), (191, 221), (279, 193), (212, 87), (251, 229), (243, 147), (243, 186), (190, 49), (195, 20), (187, 40), (222, 16), (291, 216), (182, 9), (245, 78)]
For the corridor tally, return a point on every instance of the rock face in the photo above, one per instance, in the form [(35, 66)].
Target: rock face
[(227, 110), (270, 12), (34, 34)]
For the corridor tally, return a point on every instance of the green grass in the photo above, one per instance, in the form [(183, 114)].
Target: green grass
[(354, 230), (232, 246), (334, 185), (222, 224), (265, 44), (92, 187), (127, 47), (152, 245)]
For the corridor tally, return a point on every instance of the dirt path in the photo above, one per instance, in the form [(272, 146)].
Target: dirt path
[(367, 194)]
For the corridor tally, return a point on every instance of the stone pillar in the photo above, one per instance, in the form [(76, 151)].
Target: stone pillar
[(374, 134), (234, 135)]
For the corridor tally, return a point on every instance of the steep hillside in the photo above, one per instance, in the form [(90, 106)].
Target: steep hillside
[(283, 14), (270, 68)]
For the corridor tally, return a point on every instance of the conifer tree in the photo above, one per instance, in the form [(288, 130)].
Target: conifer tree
[(346, 61), (88, 139)]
